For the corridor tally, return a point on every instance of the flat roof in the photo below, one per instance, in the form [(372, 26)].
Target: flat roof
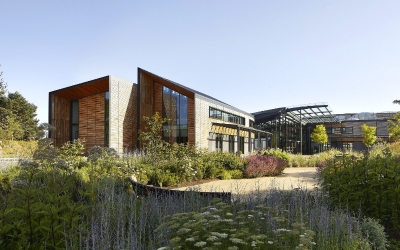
[(306, 113)]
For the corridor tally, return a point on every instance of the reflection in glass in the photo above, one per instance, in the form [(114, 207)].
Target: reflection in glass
[(175, 109)]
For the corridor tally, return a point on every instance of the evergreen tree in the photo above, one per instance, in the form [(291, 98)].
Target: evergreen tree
[(319, 135), (17, 115)]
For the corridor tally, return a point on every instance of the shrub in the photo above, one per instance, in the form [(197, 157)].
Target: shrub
[(374, 233), (285, 156), (236, 174), (369, 183), (264, 165), (225, 175), (214, 163)]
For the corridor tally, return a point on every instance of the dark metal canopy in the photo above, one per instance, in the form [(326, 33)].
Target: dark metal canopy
[(304, 114)]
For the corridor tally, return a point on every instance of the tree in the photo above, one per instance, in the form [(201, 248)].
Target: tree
[(394, 125), (151, 138), (319, 135), (368, 135), (17, 115), (24, 113)]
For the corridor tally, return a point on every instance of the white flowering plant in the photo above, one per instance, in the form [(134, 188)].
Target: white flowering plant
[(224, 226)]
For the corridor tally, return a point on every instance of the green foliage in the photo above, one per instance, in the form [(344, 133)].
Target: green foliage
[(368, 135), (222, 226), (45, 207), (394, 127), (17, 149), (17, 115), (394, 147), (164, 164), (283, 155), (235, 174), (319, 135), (374, 233), (212, 164), (370, 183), (61, 201), (151, 138)]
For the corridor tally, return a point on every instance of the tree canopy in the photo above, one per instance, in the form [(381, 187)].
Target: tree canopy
[(17, 115), (368, 135), (319, 135), (394, 125)]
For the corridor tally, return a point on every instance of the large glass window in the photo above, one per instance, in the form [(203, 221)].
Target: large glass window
[(74, 120), (175, 109), (225, 116)]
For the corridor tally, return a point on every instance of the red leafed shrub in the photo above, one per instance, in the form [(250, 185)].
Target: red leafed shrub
[(264, 165)]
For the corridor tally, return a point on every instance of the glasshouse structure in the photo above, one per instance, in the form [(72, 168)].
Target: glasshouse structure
[(291, 127)]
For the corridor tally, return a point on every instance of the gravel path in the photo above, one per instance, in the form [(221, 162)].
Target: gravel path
[(304, 178)]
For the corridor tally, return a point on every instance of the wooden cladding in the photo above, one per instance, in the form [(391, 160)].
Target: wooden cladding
[(60, 119), (85, 89), (191, 135), (154, 78), (146, 97), (91, 120), (151, 98), (158, 98)]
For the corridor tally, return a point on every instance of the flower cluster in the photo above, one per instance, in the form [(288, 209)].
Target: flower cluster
[(221, 227)]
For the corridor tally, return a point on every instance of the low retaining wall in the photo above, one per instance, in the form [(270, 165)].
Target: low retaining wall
[(145, 190)]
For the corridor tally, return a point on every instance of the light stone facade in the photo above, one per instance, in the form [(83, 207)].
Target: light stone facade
[(122, 118), (204, 130)]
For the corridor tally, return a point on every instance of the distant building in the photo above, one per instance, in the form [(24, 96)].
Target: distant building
[(291, 127)]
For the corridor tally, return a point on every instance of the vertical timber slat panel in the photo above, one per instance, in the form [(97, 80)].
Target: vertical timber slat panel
[(146, 99), (191, 135), (158, 98), (60, 120)]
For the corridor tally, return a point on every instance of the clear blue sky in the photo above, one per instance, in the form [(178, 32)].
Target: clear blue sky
[(254, 55)]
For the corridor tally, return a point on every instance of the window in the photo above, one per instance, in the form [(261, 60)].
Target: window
[(338, 131), (74, 120), (175, 108), (231, 144), (348, 146), (347, 130), (218, 142), (225, 116), (241, 144), (251, 124)]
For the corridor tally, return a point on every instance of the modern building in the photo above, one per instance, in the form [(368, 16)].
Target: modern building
[(109, 112), (291, 127)]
